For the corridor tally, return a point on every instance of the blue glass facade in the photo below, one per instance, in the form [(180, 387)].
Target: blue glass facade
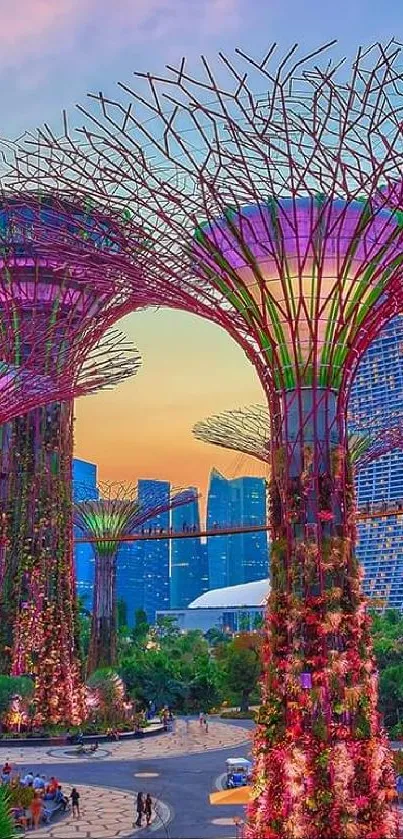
[(218, 514), (130, 577), (84, 487), (143, 567), (249, 558), (186, 557), (242, 557), (376, 400), (154, 555)]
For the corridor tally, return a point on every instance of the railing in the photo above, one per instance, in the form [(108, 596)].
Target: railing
[(364, 511), (190, 533)]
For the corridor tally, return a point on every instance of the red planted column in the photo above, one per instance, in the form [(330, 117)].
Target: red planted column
[(323, 768)]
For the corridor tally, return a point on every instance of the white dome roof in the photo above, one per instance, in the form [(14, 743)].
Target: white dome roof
[(247, 594)]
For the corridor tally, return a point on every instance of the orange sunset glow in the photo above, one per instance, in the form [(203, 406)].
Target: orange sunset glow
[(143, 429)]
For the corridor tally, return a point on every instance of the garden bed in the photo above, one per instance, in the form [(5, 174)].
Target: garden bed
[(62, 739)]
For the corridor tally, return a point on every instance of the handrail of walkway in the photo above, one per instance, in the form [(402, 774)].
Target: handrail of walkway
[(364, 512)]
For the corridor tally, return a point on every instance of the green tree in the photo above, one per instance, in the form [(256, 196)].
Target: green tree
[(215, 636), (204, 692), (122, 614), (167, 626), (141, 628), (241, 666), (152, 677), (391, 694)]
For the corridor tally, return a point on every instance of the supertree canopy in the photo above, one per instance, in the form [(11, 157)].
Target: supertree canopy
[(117, 512), (268, 213), (248, 430), (53, 315)]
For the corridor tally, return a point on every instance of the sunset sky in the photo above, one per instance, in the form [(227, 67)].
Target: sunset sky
[(51, 53)]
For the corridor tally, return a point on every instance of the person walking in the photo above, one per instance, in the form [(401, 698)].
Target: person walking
[(139, 808), (75, 802), (148, 806)]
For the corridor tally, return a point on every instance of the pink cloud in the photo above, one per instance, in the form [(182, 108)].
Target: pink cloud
[(34, 28)]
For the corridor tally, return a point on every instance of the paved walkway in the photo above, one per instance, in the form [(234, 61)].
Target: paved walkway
[(190, 739), (104, 814)]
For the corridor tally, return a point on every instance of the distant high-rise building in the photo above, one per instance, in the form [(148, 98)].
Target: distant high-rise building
[(84, 488), (237, 558), (130, 577), (204, 572), (218, 514), (249, 558), (186, 557), (155, 554), (377, 396)]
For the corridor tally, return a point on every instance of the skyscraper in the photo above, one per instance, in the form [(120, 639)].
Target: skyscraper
[(84, 487), (377, 394), (242, 557), (186, 557), (249, 558), (130, 577), (154, 556), (218, 514)]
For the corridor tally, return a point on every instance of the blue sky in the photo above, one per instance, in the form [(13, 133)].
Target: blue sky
[(53, 51)]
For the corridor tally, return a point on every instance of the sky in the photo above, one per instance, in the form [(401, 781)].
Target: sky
[(52, 52)]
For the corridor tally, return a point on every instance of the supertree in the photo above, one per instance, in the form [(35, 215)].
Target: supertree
[(117, 512), (247, 430), (39, 619), (266, 213), (52, 318)]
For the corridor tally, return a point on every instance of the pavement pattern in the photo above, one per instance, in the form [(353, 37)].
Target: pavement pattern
[(187, 739), (104, 814)]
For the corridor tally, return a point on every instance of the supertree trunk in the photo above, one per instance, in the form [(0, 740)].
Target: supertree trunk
[(322, 765), (105, 520), (39, 582), (103, 643)]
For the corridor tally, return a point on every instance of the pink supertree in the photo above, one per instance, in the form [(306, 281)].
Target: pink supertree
[(117, 512), (265, 214), (53, 315), (247, 430)]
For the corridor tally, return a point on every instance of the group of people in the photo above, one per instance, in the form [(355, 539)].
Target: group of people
[(46, 797), (144, 808)]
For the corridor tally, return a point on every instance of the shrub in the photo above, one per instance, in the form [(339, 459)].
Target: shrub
[(20, 796)]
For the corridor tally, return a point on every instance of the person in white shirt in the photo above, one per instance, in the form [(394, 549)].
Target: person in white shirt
[(28, 780)]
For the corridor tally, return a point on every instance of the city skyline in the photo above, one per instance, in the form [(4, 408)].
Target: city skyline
[(163, 574)]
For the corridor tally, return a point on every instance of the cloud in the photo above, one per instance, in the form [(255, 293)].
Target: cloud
[(37, 28)]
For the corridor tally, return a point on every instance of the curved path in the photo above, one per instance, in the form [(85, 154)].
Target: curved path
[(185, 740)]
